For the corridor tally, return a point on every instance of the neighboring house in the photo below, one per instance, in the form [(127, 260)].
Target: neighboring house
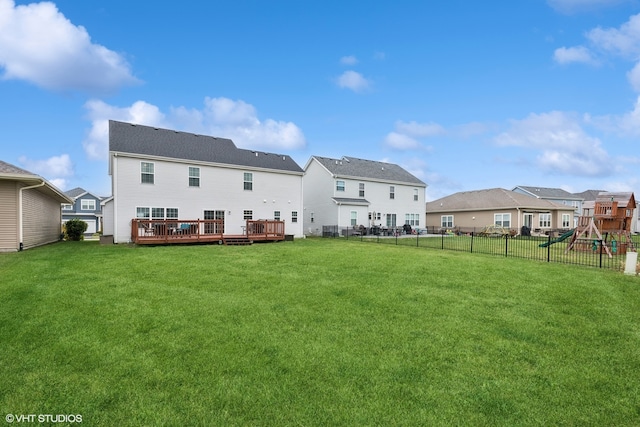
[(166, 174), (30, 209), (555, 195), (497, 206), (351, 192), (86, 207)]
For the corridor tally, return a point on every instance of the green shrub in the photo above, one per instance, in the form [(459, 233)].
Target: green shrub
[(74, 229)]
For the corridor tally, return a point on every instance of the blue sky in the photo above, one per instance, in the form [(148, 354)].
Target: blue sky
[(466, 95)]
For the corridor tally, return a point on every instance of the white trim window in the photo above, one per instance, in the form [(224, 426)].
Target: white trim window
[(502, 220), (361, 189), (415, 194), (545, 220), (339, 185), (294, 216), (147, 173), (354, 218), (194, 176), (566, 220), (67, 207), (392, 192), (412, 219), (143, 213), (87, 204), (276, 215), (247, 215), (446, 221), (248, 181)]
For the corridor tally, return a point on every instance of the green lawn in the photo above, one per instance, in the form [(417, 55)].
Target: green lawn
[(316, 332)]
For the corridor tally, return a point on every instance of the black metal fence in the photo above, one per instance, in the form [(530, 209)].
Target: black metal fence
[(554, 247)]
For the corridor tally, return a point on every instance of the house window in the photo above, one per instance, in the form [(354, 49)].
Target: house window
[(354, 218), (88, 205), (214, 227), (294, 216), (566, 218), (172, 213), (412, 219), (312, 219), (392, 192), (415, 194), (248, 181), (361, 189), (391, 220), (446, 221), (545, 220), (247, 215), (67, 207), (157, 213), (143, 213), (146, 172), (339, 185), (502, 220), (194, 177), (276, 215)]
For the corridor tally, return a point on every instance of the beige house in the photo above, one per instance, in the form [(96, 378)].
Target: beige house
[(470, 210), (30, 209)]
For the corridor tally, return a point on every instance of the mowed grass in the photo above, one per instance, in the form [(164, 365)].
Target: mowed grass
[(315, 332)]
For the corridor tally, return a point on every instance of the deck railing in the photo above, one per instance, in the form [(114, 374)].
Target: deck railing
[(159, 231)]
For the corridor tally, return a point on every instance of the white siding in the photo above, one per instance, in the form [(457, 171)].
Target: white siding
[(107, 218), (319, 188), (221, 188)]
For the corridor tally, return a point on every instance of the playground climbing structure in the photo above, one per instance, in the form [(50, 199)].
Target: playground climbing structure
[(609, 223)]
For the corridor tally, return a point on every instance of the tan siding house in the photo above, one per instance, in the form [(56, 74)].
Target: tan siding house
[(30, 209), (470, 210)]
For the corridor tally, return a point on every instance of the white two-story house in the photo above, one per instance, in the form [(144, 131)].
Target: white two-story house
[(166, 174), (351, 192)]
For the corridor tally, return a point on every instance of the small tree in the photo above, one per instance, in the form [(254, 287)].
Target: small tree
[(74, 229)]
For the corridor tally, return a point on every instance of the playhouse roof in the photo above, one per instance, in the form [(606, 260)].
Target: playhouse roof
[(624, 199)]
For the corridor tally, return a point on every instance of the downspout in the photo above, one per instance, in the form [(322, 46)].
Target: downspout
[(20, 231)]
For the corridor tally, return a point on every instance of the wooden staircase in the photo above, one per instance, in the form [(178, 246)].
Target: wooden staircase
[(236, 241)]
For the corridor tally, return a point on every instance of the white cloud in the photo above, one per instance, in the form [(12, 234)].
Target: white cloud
[(563, 145), (54, 169), (406, 135), (354, 81), (567, 55), (40, 45), (349, 60), (624, 41), (220, 117)]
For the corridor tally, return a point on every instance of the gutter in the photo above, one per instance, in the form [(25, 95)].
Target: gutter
[(20, 225)]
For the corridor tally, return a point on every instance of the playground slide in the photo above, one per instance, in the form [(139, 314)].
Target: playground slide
[(558, 239)]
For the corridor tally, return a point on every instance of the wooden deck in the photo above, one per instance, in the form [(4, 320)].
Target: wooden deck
[(175, 231)]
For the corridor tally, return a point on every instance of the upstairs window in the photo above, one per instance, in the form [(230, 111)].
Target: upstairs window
[(146, 173), (392, 192), (294, 216), (88, 205), (67, 207), (361, 189), (415, 194), (339, 185), (194, 177), (248, 181)]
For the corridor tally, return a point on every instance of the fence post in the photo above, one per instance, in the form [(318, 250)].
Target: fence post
[(417, 239), (600, 261), (549, 248), (472, 233), (442, 240), (506, 245)]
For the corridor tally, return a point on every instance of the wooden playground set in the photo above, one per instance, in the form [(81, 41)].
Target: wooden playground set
[(608, 224)]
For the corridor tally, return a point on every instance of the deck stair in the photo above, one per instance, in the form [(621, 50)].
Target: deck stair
[(236, 241)]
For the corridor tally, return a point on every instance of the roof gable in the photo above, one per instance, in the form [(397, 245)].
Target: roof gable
[(14, 173), (494, 198), (150, 141), (548, 193), (351, 167)]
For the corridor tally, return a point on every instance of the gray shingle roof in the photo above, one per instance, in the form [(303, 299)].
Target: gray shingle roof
[(549, 193), (75, 192), (350, 201), (494, 198), (589, 194), (350, 167), (8, 168), (145, 140)]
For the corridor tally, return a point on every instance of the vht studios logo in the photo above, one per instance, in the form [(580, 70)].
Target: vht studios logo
[(43, 418)]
